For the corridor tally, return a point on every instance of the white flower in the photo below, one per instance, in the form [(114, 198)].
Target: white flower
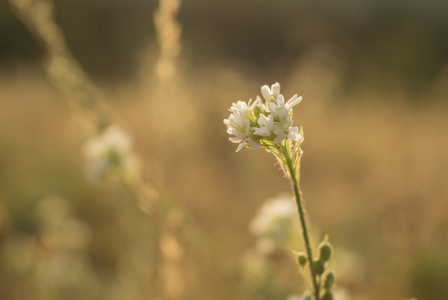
[(278, 108), (266, 125), (110, 152), (238, 117), (283, 116), (269, 93), (280, 103), (283, 110), (294, 134), (250, 124), (239, 124)]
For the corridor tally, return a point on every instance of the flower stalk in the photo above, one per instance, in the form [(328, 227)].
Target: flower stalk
[(293, 176), (268, 125)]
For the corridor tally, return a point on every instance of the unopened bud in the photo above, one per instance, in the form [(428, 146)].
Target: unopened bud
[(329, 281), (325, 251), (301, 257), (318, 267), (327, 296)]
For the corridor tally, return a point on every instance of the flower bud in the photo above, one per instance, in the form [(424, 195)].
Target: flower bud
[(301, 257), (318, 267), (328, 296), (329, 281), (325, 251)]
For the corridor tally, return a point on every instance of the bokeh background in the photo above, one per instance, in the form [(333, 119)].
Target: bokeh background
[(374, 78)]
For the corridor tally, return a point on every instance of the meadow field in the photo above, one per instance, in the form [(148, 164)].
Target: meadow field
[(373, 174)]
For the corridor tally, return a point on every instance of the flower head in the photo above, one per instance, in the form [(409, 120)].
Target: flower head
[(110, 154), (260, 124)]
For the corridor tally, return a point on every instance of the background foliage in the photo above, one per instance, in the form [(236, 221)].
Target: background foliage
[(374, 79)]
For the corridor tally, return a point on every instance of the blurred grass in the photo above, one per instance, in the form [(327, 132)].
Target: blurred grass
[(373, 175)]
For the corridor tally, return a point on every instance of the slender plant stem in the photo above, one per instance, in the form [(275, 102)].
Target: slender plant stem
[(306, 239)]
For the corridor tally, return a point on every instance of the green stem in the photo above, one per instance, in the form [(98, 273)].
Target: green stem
[(306, 239)]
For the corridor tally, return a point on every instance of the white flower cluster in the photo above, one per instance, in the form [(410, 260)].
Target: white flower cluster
[(252, 123), (110, 154)]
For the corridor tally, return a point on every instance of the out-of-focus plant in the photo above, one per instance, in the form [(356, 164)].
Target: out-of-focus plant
[(275, 225), (109, 152), (268, 125), (110, 155), (54, 263)]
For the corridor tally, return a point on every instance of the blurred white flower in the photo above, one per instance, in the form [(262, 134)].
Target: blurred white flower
[(110, 154), (275, 223)]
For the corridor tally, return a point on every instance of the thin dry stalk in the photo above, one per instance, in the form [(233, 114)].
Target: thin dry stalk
[(65, 72), (168, 33), (62, 69), (168, 36), (174, 226)]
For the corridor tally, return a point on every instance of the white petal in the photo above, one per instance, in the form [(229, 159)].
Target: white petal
[(263, 131), (293, 101), (235, 139), (262, 120), (266, 92), (257, 102), (275, 89), (247, 127), (280, 100), (277, 131), (278, 139), (253, 143), (239, 147)]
